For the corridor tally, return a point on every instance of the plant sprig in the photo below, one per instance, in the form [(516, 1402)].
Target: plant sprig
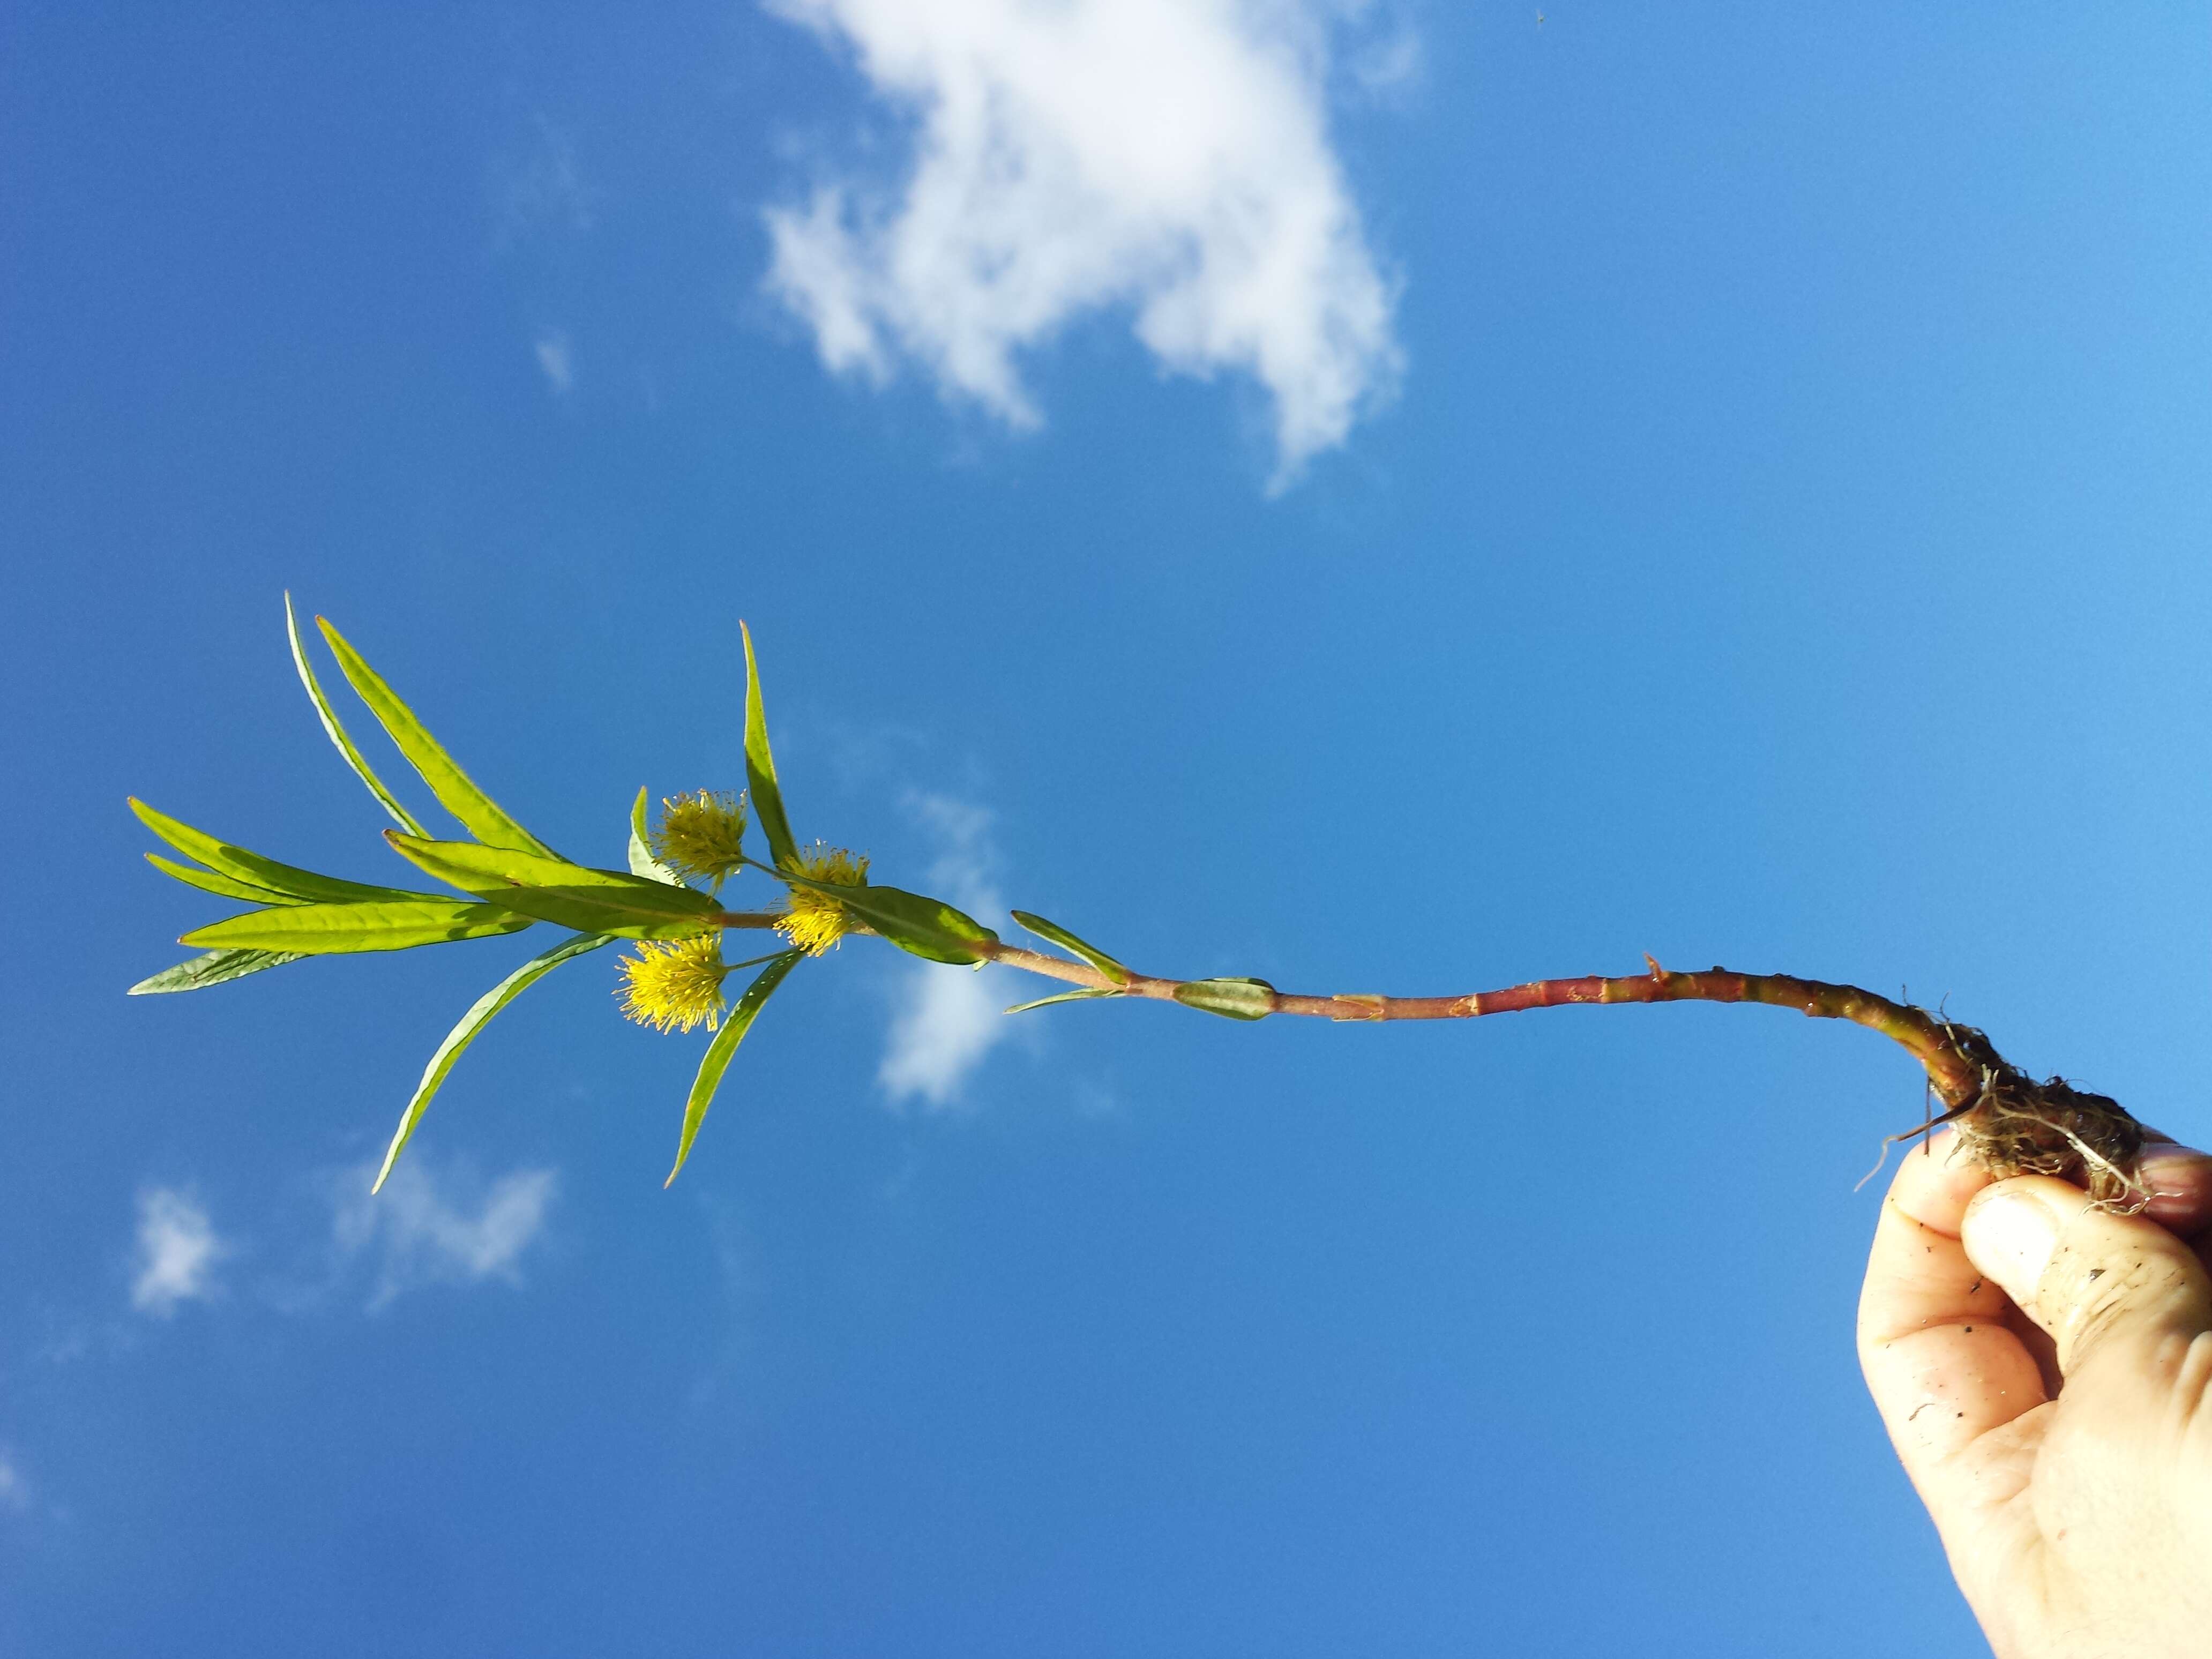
[(673, 976)]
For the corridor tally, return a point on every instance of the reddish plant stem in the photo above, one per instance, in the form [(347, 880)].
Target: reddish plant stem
[(749, 918), (1955, 1066), (1957, 1074)]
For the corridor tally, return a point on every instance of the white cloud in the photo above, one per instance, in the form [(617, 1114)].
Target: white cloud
[(945, 1019), (552, 349), (1171, 157), (425, 1228), (177, 1254)]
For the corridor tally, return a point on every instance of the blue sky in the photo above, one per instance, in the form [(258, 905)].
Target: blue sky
[(1715, 481)]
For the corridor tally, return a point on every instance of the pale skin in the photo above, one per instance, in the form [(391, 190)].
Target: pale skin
[(2045, 1372)]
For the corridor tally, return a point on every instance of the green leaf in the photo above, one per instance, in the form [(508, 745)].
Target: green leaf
[(1232, 998), (1065, 996), (1067, 941), (478, 1016), (213, 968), (337, 732), (570, 895), (641, 861), (924, 926), (760, 768), (208, 882), (250, 867), (456, 791), (716, 1061), (318, 930)]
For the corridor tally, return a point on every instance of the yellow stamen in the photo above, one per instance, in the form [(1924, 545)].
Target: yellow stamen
[(815, 921), (701, 836), (674, 985)]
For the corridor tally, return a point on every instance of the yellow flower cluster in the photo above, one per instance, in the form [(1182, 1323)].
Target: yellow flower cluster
[(815, 921), (701, 836), (674, 985)]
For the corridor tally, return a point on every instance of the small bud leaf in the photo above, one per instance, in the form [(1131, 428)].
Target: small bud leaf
[(1232, 998), (641, 861), (1067, 941), (1084, 995)]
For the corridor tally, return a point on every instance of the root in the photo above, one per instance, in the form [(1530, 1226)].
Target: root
[(1927, 1125), (2014, 1124)]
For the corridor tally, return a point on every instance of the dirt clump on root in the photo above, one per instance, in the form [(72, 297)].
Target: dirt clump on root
[(2012, 1125)]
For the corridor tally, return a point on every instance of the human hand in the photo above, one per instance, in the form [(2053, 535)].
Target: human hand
[(2044, 1370)]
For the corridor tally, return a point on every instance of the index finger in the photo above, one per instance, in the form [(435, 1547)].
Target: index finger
[(1943, 1365)]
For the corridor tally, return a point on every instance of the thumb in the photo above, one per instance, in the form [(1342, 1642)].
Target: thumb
[(2096, 1281)]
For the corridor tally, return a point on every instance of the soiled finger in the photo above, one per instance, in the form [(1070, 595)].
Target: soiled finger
[(2095, 1280), (1944, 1367)]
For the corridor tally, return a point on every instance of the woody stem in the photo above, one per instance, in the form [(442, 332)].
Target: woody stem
[(1958, 1061), (1956, 1070)]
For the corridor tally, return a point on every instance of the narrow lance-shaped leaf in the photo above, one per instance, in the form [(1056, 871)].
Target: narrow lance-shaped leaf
[(228, 887), (321, 930), (478, 1016), (760, 768), (1067, 941), (456, 791), (716, 1061), (641, 861), (256, 871), (337, 732), (1084, 995), (214, 968), (569, 894)]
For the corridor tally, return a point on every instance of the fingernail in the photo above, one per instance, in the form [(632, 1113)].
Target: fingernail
[(2172, 1172), (2161, 1154), (2013, 1236)]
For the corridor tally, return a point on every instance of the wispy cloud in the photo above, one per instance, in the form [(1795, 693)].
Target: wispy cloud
[(1388, 67), (177, 1254), (1167, 157), (432, 1227), (553, 360), (536, 188), (15, 1490), (945, 1020)]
